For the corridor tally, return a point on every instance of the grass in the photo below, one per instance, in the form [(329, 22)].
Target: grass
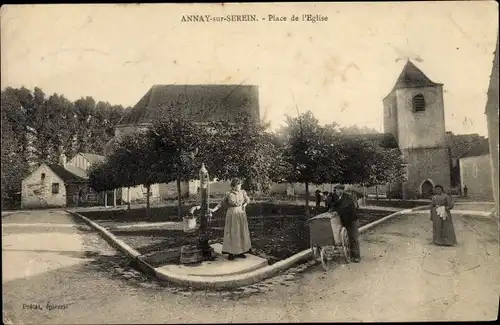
[(277, 231)]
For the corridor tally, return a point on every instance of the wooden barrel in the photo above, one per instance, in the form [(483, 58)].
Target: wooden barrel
[(191, 254)]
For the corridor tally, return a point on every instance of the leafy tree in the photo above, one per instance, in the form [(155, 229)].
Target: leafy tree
[(37, 128), (175, 143), (354, 129), (367, 163), (244, 149), (304, 149)]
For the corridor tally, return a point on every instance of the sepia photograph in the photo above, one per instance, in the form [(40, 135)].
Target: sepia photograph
[(250, 162)]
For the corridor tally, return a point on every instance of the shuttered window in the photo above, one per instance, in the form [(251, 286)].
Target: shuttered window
[(419, 103)]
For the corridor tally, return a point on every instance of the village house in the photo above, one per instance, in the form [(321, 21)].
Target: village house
[(60, 185), (201, 104), (475, 170), (492, 119)]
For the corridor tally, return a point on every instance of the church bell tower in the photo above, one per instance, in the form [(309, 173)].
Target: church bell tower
[(414, 115)]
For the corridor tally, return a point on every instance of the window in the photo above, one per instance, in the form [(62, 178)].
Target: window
[(55, 188), (475, 171), (43, 176), (418, 103)]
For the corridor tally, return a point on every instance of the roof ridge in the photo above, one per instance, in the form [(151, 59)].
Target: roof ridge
[(412, 76)]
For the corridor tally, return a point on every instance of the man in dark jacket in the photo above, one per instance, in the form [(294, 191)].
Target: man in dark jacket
[(344, 205)]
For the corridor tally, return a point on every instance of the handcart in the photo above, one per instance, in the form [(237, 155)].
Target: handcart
[(329, 239)]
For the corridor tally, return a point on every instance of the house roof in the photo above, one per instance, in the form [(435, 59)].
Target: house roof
[(412, 77), (460, 144), (66, 175), (93, 158), (201, 103), (77, 171), (481, 149)]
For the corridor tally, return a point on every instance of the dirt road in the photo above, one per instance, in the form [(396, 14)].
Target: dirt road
[(402, 277)]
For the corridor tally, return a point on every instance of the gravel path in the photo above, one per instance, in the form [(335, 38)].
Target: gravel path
[(401, 278)]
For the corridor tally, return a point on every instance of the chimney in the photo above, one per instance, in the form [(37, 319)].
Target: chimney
[(62, 160)]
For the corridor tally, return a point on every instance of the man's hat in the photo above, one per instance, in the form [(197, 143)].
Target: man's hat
[(339, 186)]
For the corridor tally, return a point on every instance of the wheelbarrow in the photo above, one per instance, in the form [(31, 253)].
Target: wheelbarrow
[(329, 239)]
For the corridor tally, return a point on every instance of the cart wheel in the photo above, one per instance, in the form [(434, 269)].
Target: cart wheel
[(326, 255), (315, 251), (346, 247)]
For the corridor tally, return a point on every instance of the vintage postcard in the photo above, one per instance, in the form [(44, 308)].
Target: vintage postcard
[(250, 162)]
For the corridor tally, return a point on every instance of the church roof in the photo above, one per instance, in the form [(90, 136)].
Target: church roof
[(411, 77), (200, 103)]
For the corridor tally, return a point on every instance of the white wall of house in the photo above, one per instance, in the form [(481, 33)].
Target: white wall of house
[(79, 161), (139, 193), (475, 172), (37, 189)]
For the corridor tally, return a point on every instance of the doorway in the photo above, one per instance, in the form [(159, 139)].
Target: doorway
[(426, 189)]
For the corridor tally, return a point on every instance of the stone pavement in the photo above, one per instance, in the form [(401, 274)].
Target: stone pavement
[(402, 277), (36, 242), (220, 267)]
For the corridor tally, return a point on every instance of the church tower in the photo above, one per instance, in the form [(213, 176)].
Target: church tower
[(414, 115)]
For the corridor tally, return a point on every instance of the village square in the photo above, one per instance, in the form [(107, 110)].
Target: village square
[(202, 203)]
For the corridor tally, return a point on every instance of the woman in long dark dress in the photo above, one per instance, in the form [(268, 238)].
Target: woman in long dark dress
[(236, 233), (442, 221)]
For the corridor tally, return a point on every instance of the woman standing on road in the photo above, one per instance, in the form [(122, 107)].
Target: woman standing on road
[(236, 233), (442, 222)]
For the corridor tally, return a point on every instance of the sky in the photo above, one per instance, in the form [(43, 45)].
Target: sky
[(340, 69)]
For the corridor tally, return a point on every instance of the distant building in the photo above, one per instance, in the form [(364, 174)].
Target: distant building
[(492, 117), (60, 185), (475, 170), (201, 104), (414, 114), (459, 145)]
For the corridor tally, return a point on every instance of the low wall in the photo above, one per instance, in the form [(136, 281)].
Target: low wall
[(169, 213)]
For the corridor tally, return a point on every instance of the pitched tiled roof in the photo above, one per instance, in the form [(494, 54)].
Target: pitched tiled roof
[(483, 148), (92, 158), (460, 144), (201, 103), (66, 175), (77, 171), (411, 76)]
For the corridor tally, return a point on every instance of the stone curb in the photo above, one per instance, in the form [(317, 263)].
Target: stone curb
[(238, 280), (109, 237), (464, 212), (241, 280)]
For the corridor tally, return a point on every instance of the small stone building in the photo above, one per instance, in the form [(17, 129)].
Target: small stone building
[(60, 185), (50, 186), (475, 170)]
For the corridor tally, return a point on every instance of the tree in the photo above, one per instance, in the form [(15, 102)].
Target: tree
[(175, 145), (305, 145), (354, 129), (14, 149), (243, 148), (367, 163), (132, 163)]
